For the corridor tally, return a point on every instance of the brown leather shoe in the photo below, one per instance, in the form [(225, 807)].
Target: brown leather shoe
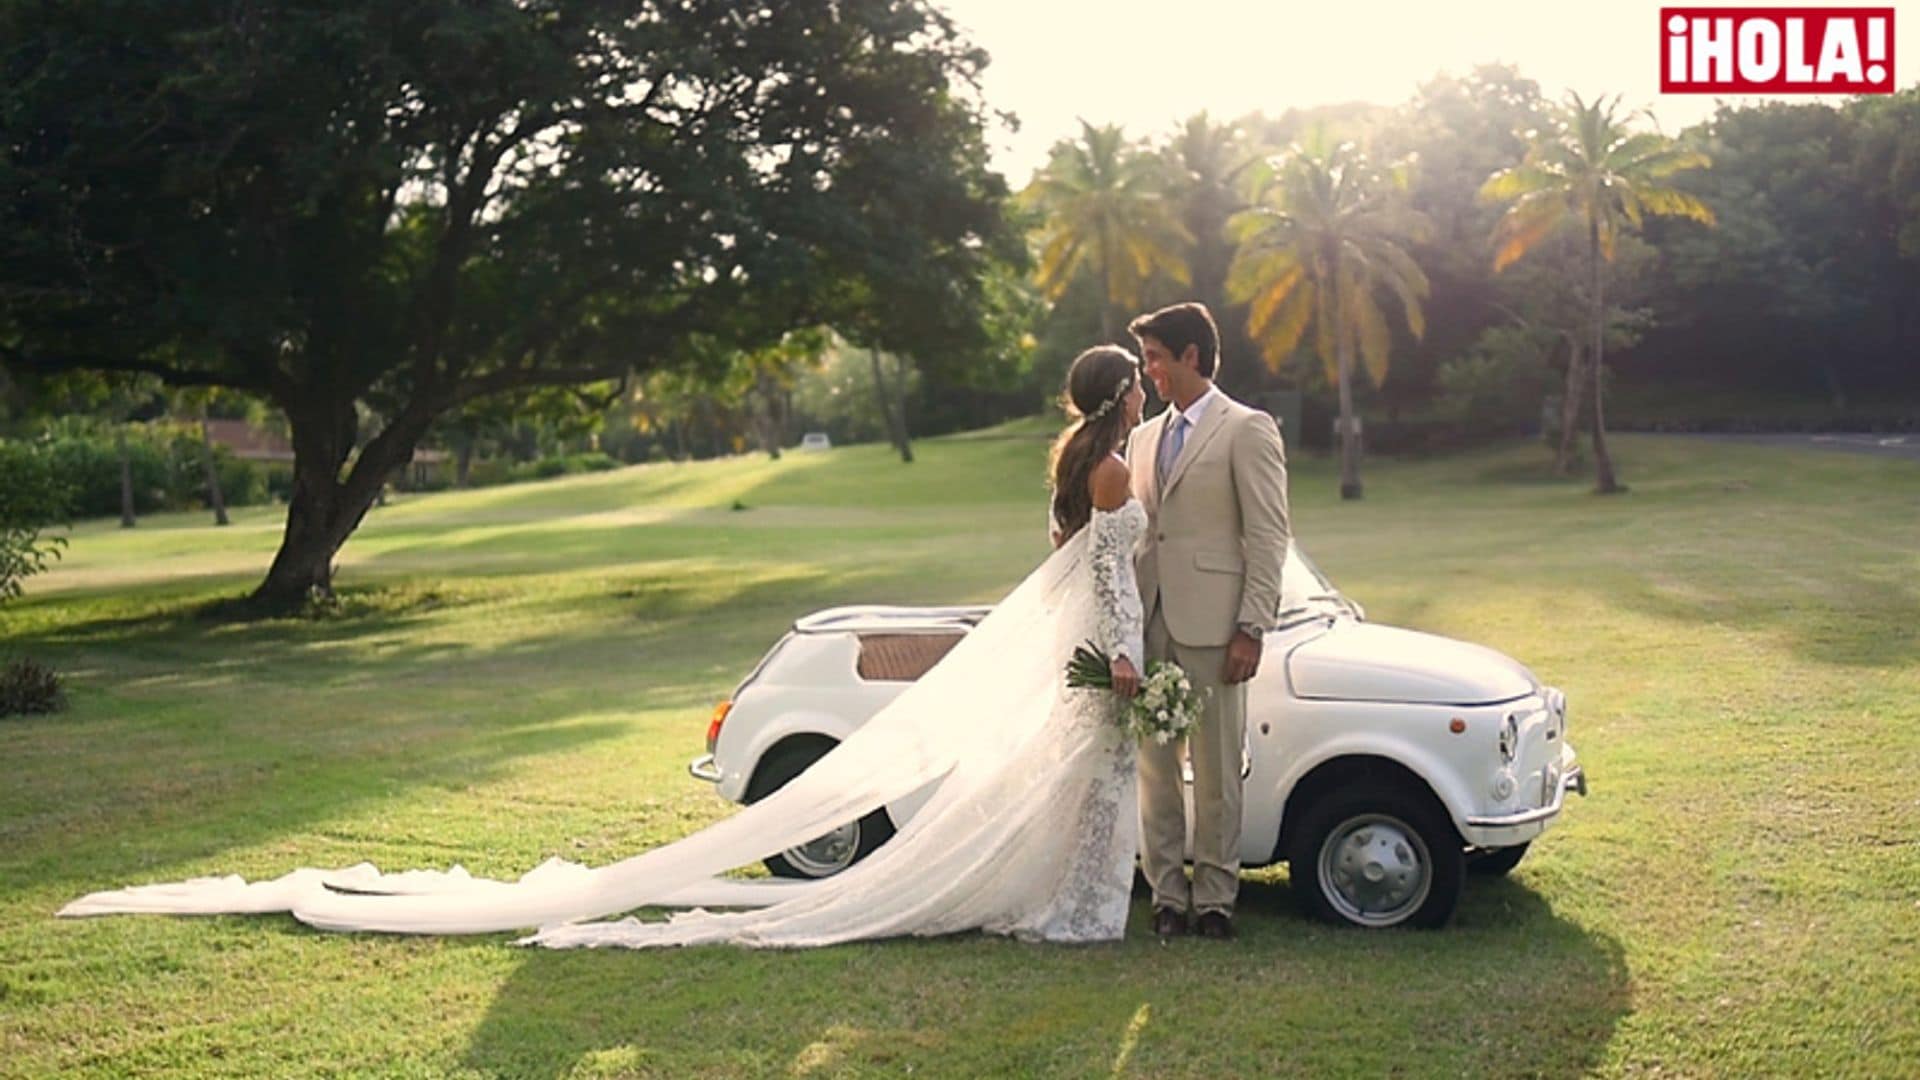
[(1168, 923), (1216, 925)]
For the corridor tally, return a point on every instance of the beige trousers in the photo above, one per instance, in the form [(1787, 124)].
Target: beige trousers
[(1215, 748)]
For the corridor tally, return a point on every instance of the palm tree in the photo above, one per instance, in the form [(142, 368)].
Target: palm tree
[(1320, 243), (1105, 216), (1206, 165), (1588, 168)]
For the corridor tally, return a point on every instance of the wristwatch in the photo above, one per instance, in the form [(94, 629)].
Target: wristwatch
[(1253, 630)]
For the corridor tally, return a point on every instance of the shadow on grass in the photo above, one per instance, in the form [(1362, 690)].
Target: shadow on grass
[(318, 715), (1856, 616), (1512, 989)]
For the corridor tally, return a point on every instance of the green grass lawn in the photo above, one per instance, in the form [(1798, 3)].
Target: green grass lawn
[(523, 672)]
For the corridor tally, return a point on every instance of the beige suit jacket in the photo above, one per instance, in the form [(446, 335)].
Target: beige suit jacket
[(1218, 531)]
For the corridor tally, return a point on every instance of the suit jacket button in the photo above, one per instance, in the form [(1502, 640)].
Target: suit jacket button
[(1162, 538)]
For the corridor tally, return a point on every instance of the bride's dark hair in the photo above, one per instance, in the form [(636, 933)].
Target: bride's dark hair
[(1097, 383)]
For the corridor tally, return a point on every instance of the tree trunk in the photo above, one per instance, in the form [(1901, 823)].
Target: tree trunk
[(763, 408), (215, 497), (323, 509), (1604, 482), (463, 463), (896, 429), (1349, 437), (1570, 413), (127, 519)]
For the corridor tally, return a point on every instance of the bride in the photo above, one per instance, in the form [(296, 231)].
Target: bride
[(1031, 832)]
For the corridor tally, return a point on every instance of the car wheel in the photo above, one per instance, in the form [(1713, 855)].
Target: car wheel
[(831, 852), (1377, 855), (1498, 861)]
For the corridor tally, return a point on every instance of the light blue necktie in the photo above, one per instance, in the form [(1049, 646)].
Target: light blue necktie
[(1175, 442)]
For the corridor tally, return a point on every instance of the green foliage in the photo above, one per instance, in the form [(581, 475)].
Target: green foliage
[(564, 465), (1326, 234), (1104, 215), (164, 460), (419, 207), (840, 397), (29, 687), (1804, 289), (1501, 382), (33, 496)]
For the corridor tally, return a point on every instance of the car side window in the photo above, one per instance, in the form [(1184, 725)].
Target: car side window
[(901, 657)]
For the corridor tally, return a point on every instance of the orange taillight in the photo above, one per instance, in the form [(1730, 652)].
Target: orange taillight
[(720, 712)]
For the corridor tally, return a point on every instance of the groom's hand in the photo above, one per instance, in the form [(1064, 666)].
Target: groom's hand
[(1243, 658)]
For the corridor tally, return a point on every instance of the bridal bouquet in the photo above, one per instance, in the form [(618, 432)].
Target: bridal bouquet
[(1167, 705)]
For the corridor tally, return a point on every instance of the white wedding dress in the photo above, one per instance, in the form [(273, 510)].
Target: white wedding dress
[(1031, 833)]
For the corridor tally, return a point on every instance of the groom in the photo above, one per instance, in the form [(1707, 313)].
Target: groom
[(1212, 474)]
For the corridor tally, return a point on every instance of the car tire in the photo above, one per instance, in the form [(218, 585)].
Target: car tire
[(1497, 862), (1377, 855), (827, 855)]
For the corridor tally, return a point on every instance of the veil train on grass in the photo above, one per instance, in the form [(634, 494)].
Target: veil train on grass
[(963, 720)]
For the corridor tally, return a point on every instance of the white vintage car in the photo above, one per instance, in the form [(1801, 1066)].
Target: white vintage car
[(1382, 764)]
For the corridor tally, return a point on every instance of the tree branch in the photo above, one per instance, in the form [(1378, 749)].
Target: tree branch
[(175, 376), (520, 377)]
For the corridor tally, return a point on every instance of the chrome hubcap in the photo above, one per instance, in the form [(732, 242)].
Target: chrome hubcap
[(1375, 870), (827, 854)]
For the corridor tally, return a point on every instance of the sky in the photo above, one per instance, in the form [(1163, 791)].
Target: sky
[(1147, 65)]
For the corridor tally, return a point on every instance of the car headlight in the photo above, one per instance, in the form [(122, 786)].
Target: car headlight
[(1509, 737)]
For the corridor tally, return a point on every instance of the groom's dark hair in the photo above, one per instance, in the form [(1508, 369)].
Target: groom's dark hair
[(1179, 326)]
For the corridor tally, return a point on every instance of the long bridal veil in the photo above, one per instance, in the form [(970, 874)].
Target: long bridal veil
[(966, 722)]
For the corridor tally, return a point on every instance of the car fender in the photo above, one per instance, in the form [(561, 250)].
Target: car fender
[(1431, 766), (740, 757)]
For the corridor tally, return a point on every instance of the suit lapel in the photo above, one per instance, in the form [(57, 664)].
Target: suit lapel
[(1203, 432), (1147, 442)]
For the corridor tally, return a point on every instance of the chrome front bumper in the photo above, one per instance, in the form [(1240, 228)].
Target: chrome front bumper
[(1575, 778), (704, 768)]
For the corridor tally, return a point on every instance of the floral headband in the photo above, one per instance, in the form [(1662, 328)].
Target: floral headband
[(1107, 405)]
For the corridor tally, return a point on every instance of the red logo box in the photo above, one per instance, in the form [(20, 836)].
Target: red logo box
[(1785, 50)]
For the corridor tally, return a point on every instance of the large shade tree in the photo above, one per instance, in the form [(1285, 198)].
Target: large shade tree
[(1590, 169), (1323, 241), (1105, 215), (367, 208)]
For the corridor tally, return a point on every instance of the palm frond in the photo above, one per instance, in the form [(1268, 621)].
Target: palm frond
[(1269, 298), (1528, 222), (1287, 325), (1375, 339), (1672, 202), (1059, 264), (1511, 183), (1252, 268)]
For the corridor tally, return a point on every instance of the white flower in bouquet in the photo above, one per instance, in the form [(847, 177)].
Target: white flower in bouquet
[(1166, 707)]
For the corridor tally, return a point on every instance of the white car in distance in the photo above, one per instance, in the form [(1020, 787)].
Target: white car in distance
[(1382, 764)]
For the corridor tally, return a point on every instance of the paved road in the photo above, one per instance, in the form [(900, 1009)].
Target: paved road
[(1893, 446)]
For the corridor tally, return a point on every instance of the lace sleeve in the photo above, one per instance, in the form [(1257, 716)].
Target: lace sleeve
[(1118, 628)]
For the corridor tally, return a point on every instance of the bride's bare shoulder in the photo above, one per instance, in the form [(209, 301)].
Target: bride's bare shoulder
[(1111, 484)]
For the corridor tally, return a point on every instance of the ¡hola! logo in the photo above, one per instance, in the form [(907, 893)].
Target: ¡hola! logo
[(1785, 50)]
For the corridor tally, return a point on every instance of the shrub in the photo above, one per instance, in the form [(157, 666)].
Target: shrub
[(565, 465), (165, 462), (1499, 383), (33, 497), (28, 687)]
